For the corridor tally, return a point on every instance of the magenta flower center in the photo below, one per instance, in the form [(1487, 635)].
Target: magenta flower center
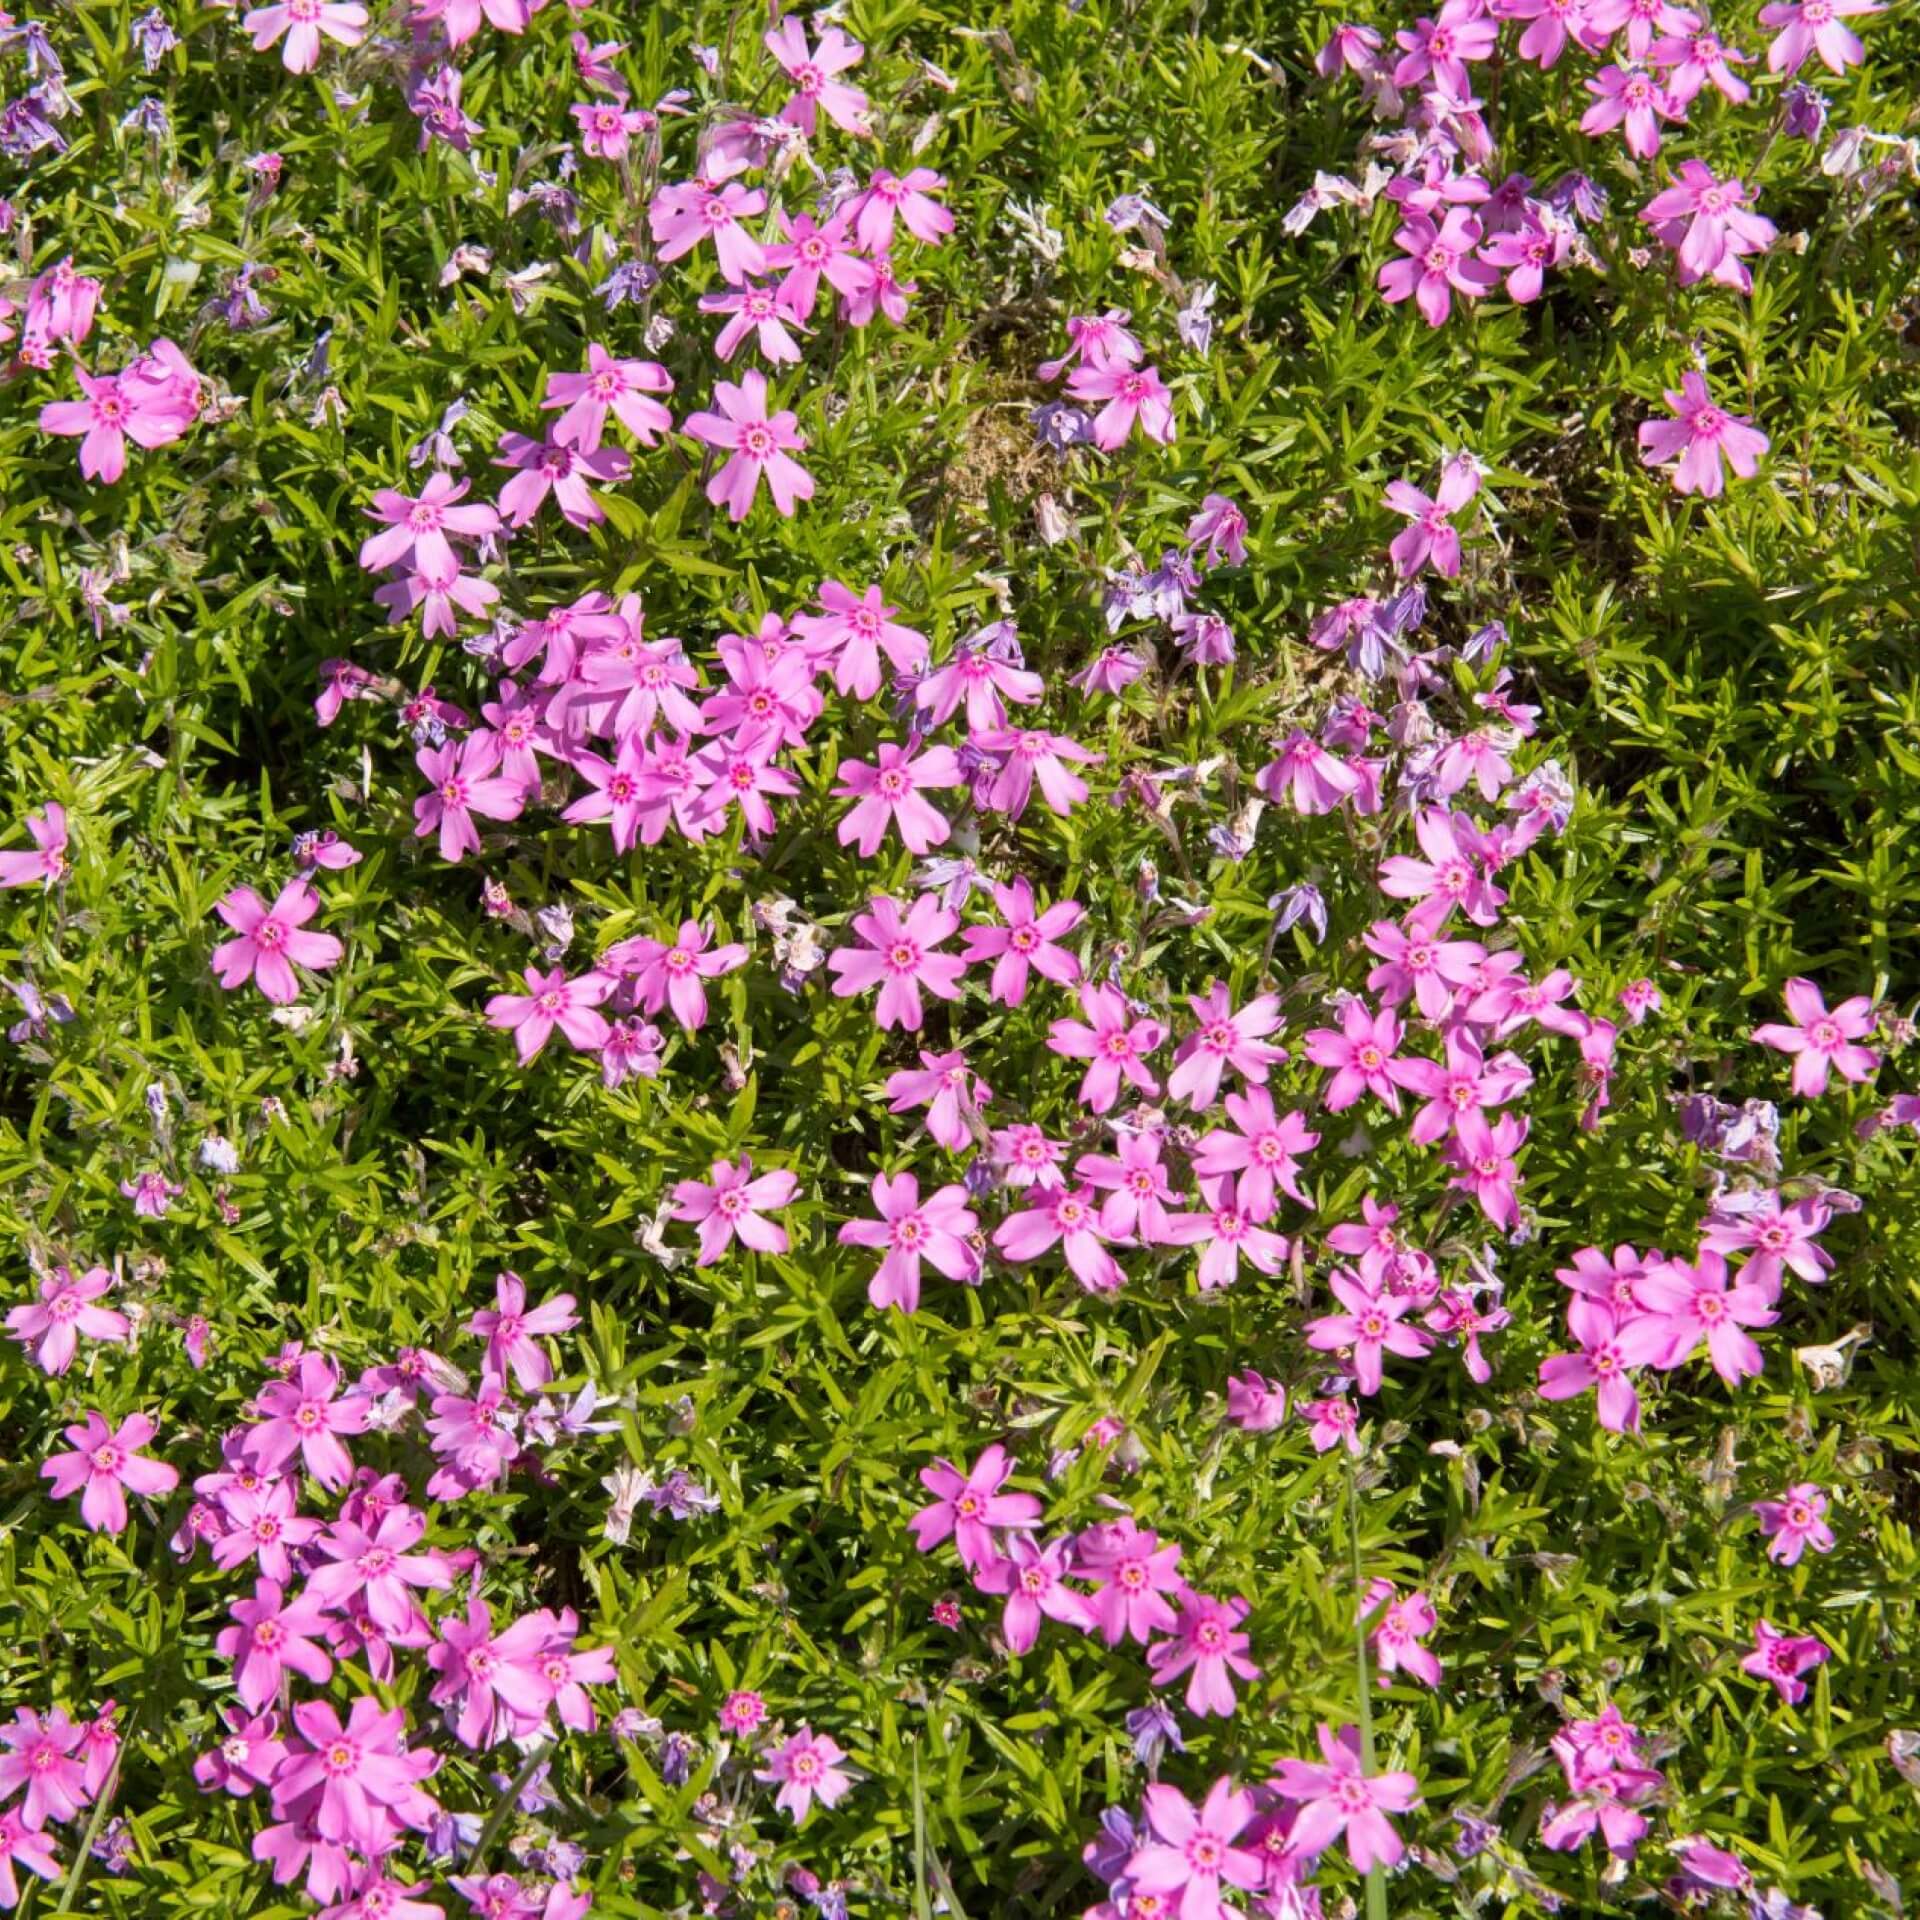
[(903, 957), (756, 440), (893, 783), (1370, 1058), (550, 1004), (1825, 1034), (733, 1203), (715, 211), (556, 462), (268, 1637), (1209, 1638)]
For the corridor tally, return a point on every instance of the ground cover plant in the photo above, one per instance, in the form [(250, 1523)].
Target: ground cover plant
[(963, 959)]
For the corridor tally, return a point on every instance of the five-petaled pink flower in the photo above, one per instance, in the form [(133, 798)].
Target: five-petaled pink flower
[(1206, 1644), (806, 1767), (42, 1755), (271, 1635), (937, 1229), (623, 388), (1114, 1040), (553, 466), (1823, 1042), (1341, 1797), (1361, 1056), (271, 941), (970, 1506), (303, 22), (417, 529), (1814, 26), (1439, 261), (1783, 1657), (730, 1207), (670, 976), (682, 216), (1698, 437), (552, 1000), (1225, 1039), (306, 1415), (1431, 538), (52, 1325), (105, 1463), (756, 443), (1130, 397), (1793, 1522), (852, 631), (512, 1331), (897, 955), (1374, 1324), (1027, 943), (1192, 1851), (812, 72), (888, 793)]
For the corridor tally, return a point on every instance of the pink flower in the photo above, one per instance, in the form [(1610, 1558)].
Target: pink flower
[(1028, 942), (495, 1679), (730, 1208), (1114, 1040), (271, 942), (852, 631), (52, 1325), (1069, 1218), (417, 529), (1457, 872), (1372, 1326), (151, 402), (670, 976), (352, 1779), (742, 1712), (1307, 776), (152, 1193), (273, 1635), (1824, 1042), (1254, 1403), (1032, 754), (683, 216), (1441, 48), (262, 1525), (936, 1230), (1774, 1238), (812, 73), (43, 1756), (1414, 962), (756, 444), (1397, 1632), (1542, 241), (1629, 95), (1098, 340), (1460, 1090), (305, 1415), (552, 1000), (1361, 1055), (623, 388), (1705, 222), (888, 792), (48, 860), (1207, 1645), (378, 1568), (757, 311), (1698, 438), (1225, 1039), (1339, 1797), (513, 1333), (810, 253), (1611, 1343), (1133, 396), (464, 781), (898, 956), (970, 1506), (606, 127), (1641, 19), (1227, 1227), (1553, 24), (107, 1461), (1793, 1522), (1136, 1185), (1333, 1422), (20, 1845), (907, 198), (1264, 1152), (444, 591), (1439, 263), (1783, 1658), (553, 466), (950, 1091), (1347, 46), (1431, 538), (1694, 1302), (1032, 1577), (1192, 1851), (303, 22), (1131, 1571), (61, 304), (1697, 58), (806, 1768), (1813, 26)]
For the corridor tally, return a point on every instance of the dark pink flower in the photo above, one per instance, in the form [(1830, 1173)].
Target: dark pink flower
[(888, 793), (1822, 1041), (1207, 1645), (553, 466), (105, 1464), (937, 1230), (756, 443), (552, 1000), (730, 1207), (272, 941), (806, 1767), (682, 216), (1028, 941), (1069, 1218), (1033, 1578), (52, 1325), (271, 1636), (897, 955), (904, 197), (306, 1415), (1782, 1658), (950, 1091), (610, 385), (1373, 1325), (1340, 1797), (812, 72), (1264, 1150), (970, 1507), (42, 1756), (1113, 1040), (513, 1331)]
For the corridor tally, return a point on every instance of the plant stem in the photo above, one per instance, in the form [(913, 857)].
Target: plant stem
[(70, 1887), (1376, 1876), (504, 1806)]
